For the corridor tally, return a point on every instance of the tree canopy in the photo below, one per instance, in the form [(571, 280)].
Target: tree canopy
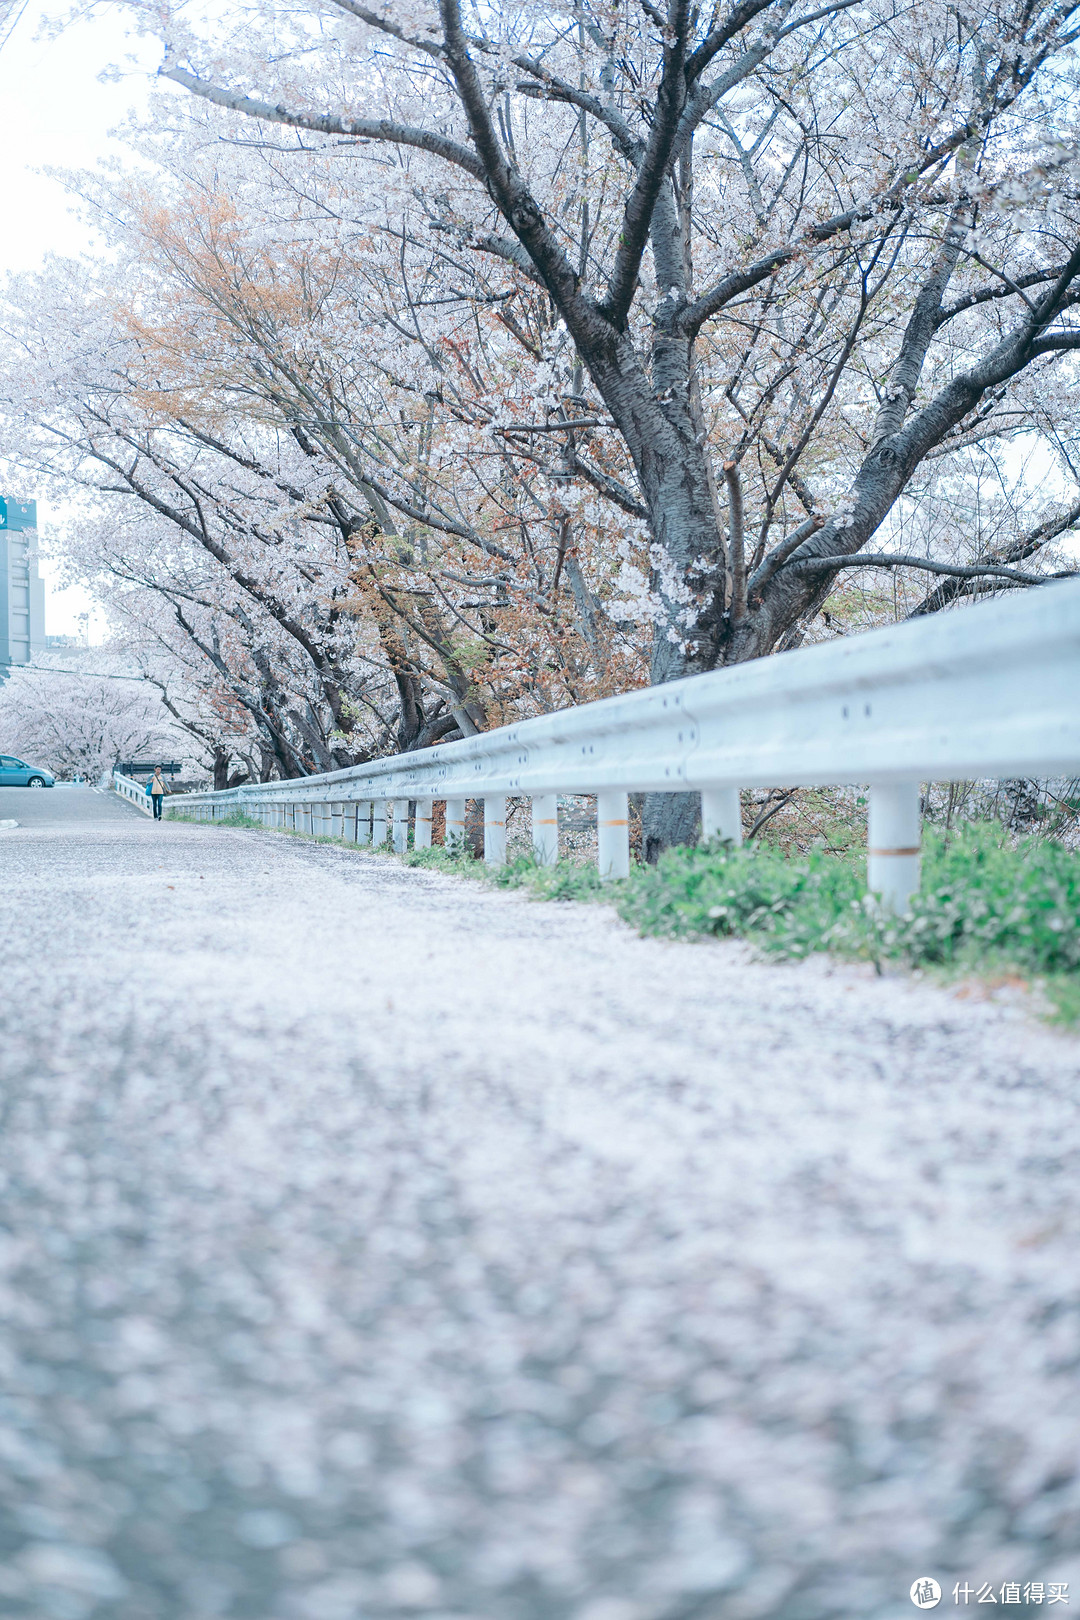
[(459, 362)]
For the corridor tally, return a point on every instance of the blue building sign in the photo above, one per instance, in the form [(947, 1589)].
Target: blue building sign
[(18, 514)]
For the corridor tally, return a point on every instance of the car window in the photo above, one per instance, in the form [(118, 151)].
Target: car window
[(8, 762)]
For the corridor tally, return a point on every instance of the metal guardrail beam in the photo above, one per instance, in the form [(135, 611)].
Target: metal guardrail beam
[(986, 691), (133, 792)]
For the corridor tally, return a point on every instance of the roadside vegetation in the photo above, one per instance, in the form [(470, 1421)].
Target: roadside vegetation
[(989, 907), (995, 907)]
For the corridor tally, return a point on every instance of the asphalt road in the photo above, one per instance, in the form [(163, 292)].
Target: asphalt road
[(377, 1245), (67, 807)]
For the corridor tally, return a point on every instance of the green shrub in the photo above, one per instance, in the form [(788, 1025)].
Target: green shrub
[(985, 905), (458, 861), (568, 880), (790, 904), (984, 898)]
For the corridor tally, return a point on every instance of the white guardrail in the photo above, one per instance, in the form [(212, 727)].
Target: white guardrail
[(984, 691), (134, 792)]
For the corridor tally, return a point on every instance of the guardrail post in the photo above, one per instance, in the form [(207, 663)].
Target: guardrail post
[(454, 834), (363, 821), (378, 823), (495, 830), (337, 821), (613, 835), (892, 865), (721, 815), (422, 826), (545, 828), (401, 826)]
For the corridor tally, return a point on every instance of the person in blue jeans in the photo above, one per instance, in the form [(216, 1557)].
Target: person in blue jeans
[(156, 789)]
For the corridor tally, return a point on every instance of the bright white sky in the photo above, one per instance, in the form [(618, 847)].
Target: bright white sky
[(58, 113)]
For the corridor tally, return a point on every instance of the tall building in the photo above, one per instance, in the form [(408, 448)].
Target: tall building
[(22, 593)]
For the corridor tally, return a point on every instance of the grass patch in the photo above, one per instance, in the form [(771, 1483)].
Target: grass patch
[(986, 906), (1062, 991), (236, 819), (569, 880), (457, 860)]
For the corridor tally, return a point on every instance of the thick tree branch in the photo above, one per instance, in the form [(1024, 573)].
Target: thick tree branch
[(654, 169), (714, 42), (371, 129), (1008, 289), (736, 542), (882, 559), (604, 484), (507, 187), (780, 553)]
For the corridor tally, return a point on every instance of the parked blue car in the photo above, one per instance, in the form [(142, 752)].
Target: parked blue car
[(16, 773)]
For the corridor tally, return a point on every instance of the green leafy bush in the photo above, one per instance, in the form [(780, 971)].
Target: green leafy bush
[(985, 905), (791, 904), (981, 898), (984, 898), (458, 861)]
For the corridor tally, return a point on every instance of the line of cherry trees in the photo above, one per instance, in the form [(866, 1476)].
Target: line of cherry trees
[(453, 363)]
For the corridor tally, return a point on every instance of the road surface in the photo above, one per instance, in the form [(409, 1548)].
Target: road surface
[(67, 807), (378, 1245)]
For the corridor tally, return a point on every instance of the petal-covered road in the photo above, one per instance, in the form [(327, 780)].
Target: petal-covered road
[(376, 1245)]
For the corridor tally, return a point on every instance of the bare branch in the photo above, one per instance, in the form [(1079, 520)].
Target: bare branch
[(1026, 545)]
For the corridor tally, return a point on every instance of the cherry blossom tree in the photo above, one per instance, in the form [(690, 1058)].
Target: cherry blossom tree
[(195, 517), (80, 723), (795, 254), (463, 364)]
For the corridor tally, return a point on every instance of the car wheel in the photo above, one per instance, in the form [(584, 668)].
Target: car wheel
[(36, 781)]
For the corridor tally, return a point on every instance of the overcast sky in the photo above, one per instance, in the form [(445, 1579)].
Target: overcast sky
[(58, 113)]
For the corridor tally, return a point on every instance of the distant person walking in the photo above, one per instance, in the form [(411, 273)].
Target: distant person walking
[(156, 787)]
